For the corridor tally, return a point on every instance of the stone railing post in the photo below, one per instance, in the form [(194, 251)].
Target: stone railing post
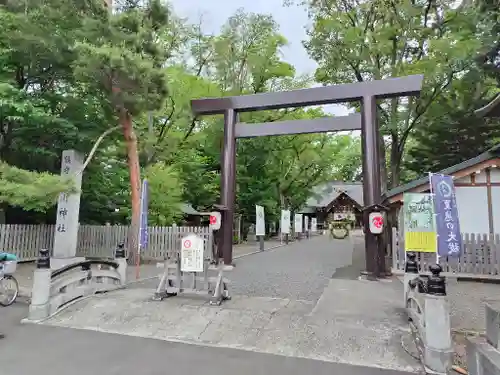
[(40, 295), (483, 353), (411, 273), (122, 262), (438, 349)]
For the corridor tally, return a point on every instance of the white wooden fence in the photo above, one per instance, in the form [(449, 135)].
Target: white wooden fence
[(94, 240), (480, 255)]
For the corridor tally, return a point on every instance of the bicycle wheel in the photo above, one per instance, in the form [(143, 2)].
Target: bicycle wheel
[(9, 289)]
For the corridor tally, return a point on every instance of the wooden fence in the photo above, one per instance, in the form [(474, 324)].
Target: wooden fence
[(480, 255), (94, 240)]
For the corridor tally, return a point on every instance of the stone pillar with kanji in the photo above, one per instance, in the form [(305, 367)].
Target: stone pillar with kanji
[(68, 210)]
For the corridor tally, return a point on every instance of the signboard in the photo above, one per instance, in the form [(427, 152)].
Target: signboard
[(314, 225), (419, 229), (215, 220), (340, 216), (143, 228), (306, 223), (298, 223), (285, 221), (260, 222), (192, 253), (376, 222), (449, 240)]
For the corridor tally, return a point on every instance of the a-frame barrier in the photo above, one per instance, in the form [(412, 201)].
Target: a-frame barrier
[(365, 92)]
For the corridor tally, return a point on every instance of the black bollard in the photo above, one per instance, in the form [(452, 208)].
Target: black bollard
[(43, 260), (120, 251), (422, 283), (436, 284), (411, 263)]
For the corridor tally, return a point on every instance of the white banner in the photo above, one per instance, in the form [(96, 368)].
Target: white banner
[(285, 221), (260, 222), (314, 225), (298, 223), (306, 223)]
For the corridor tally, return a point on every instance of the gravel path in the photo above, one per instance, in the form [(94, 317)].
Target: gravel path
[(298, 271)]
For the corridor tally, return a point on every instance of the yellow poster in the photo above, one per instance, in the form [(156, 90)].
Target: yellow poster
[(420, 241), (419, 226)]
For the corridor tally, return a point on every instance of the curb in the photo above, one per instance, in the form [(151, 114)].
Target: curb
[(259, 252), (485, 279)]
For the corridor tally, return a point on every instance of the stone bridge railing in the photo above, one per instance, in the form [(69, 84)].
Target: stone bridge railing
[(429, 315), (52, 290), (483, 353)]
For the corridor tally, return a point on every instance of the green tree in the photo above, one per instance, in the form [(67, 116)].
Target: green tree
[(165, 194), (455, 130), (275, 172), (355, 41), (35, 71), (489, 59), (121, 62)]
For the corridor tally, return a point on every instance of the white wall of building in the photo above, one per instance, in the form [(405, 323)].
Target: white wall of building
[(495, 204), (463, 180), (472, 203), (495, 175)]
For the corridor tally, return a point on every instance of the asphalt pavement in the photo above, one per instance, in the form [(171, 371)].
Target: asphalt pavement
[(299, 271), (43, 350)]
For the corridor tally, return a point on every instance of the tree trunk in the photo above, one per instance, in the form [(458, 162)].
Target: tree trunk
[(133, 167)]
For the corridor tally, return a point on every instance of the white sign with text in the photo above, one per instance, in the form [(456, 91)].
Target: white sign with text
[(260, 222), (285, 221), (298, 223), (192, 253), (314, 225)]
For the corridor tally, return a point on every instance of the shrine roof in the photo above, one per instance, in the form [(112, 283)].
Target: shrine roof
[(459, 170), (492, 109), (322, 195), (188, 209)]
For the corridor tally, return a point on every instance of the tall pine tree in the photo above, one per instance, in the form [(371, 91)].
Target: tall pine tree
[(453, 133)]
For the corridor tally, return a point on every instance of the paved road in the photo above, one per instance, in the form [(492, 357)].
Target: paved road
[(298, 271), (43, 350)]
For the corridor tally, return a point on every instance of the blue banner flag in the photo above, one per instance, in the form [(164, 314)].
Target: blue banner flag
[(143, 228), (449, 238)]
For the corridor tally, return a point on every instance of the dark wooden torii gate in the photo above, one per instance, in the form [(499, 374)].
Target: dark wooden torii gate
[(365, 92)]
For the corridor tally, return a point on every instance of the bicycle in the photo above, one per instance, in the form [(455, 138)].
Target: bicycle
[(9, 287)]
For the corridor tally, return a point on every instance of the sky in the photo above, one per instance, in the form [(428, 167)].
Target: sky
[(293, 21)]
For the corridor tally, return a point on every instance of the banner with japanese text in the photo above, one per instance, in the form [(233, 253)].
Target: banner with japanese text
[(449, 239), (419, 228)]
